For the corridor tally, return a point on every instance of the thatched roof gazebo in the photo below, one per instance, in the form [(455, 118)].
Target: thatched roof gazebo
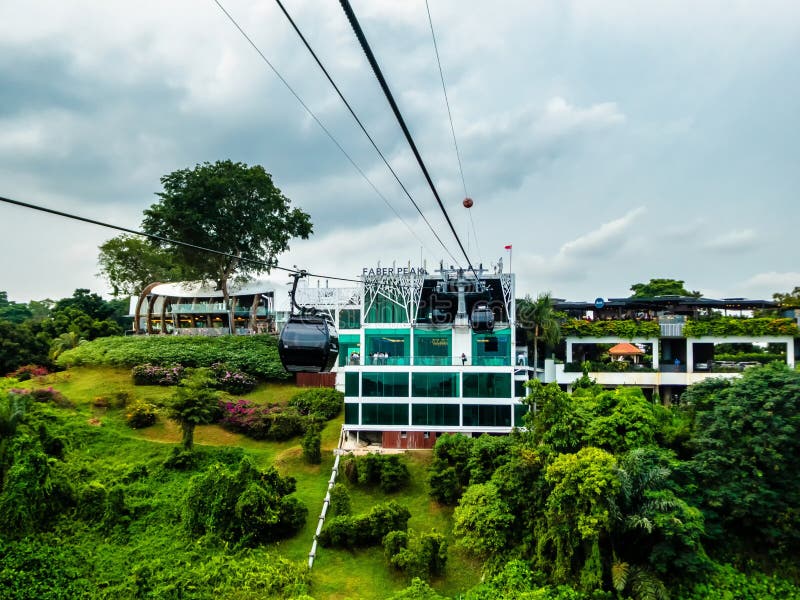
[(625, 350)]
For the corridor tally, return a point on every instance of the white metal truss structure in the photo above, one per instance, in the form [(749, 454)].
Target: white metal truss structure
[(329, 300), (405, 290)]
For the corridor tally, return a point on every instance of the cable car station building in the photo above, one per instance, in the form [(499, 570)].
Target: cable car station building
[(427, 354)]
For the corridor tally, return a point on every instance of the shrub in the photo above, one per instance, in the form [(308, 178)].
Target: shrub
[(386, 470), (245, 506), (26, 372), (140, 415), (256, 355), (365, 530), (417, 555), (232, 380), (326, 403), (312, 445), (261, 421), (340, 500), (44, 395), (150, 374), (92, 501)]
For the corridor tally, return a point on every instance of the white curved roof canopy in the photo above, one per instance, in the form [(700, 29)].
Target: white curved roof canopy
[(199, 289)]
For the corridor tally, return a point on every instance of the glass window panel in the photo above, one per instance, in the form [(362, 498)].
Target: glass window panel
[(487, 385), (395, 344), (349, 318), (435, 414), (351, 385), (434, 385), (487, 415), (383, 310), (351, 413), (432, 347), (384, 414), (384, 385), (519, 389), (491, 348)]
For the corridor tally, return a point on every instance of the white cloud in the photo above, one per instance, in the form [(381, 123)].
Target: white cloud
[(771, 282), (738, 240)]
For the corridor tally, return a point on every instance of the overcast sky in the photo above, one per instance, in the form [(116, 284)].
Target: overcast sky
[(609, 142)]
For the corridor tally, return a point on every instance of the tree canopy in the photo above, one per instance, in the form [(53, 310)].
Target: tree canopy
[(662, 287), (130, 263), (229, 207)]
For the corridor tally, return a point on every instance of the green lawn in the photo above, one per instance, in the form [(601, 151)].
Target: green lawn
[(111, 450)]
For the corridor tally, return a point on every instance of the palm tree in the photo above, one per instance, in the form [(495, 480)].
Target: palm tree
[(64, 342), (539, 317)]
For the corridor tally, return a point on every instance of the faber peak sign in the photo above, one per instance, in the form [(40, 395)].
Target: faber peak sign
[(392, 271)]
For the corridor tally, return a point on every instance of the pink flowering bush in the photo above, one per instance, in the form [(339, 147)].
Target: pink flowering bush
[(232, 380), (261, 421), (148, 374), (26, 372), (48, 394)]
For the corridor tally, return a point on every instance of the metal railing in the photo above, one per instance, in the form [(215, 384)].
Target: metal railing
[(435, 361)]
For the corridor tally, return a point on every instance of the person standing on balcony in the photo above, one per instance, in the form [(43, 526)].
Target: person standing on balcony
[(463, 359)]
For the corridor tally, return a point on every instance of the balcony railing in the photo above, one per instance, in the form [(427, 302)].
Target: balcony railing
[(213, 308), (426, 361)]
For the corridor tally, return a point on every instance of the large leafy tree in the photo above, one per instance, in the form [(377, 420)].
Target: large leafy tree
[(540, 320), (747, 459), (130, 263), (789, 299), (225, 206), (15, 312), (662, 287)]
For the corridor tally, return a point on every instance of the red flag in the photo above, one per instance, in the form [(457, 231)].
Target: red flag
[(508, 247)]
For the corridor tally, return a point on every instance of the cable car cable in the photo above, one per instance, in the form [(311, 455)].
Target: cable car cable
[(360, 123), (351, 17), (452, 126), (322, 126), (164, 239)]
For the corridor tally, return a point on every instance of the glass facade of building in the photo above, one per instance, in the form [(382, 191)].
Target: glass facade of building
[(492, 349), (434, 385), (384, 310), (435, 414), (487, 415), (384, 414), (394, 343), (487, 385), (384, 385), (432, 347)]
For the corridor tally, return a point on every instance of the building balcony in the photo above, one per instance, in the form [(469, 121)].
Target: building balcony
[(431, 361)]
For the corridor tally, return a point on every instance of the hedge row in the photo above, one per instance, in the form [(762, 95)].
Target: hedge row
[(256, 355)]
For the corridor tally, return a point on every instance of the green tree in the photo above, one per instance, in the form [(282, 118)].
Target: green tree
[(193, 403), (87, 302), (22, 344), (15, 312), (662, 287), (579, 514), (66, 341), (747, 459), (312, 443), (540, 321), (789, 299), (130, 263), (228, 207), (482, 521)]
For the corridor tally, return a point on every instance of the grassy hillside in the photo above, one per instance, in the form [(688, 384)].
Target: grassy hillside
[(146, 553)]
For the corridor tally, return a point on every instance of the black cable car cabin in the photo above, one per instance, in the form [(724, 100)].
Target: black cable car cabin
[(482, 318), (308, 344)]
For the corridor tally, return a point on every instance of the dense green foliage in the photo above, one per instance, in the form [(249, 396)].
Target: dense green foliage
[(622, 328), (420, 555), (662, 287), (730, 326), (385, 470), (365, 530), (245, 506), (130, 263), (746, 454), (324, 403), (253, 354)]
